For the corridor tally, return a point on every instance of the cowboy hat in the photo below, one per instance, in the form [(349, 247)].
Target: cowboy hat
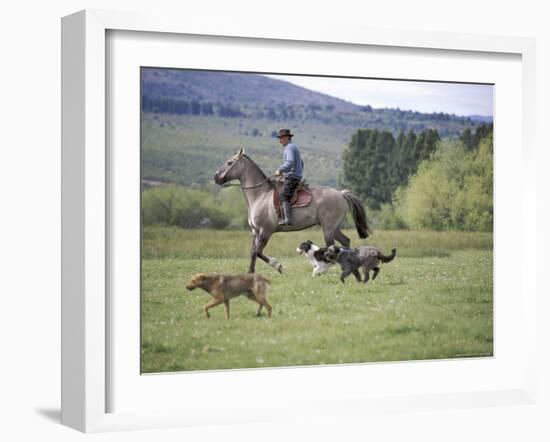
[(285, 133)]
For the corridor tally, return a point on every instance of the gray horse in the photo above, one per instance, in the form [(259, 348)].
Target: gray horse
[(328, 208)]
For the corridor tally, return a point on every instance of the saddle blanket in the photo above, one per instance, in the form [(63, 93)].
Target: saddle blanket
[(301, 198)]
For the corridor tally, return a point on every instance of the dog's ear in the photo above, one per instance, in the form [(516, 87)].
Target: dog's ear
[(199, 277), (309, 242)]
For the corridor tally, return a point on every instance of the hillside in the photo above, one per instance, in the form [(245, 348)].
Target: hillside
[(231, 88), (193, 120)]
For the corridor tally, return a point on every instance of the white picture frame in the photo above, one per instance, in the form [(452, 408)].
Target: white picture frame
[(86, 209)]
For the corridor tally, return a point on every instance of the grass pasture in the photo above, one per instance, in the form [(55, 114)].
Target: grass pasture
[(435, 300)]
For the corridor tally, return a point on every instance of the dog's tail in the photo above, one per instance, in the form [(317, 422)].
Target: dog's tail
[(359, 215), (387, 258)]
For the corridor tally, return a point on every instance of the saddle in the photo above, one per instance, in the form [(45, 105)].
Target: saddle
[(301, 197)]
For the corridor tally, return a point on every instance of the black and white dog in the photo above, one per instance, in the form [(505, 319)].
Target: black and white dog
[(351, 260), (316, 256)]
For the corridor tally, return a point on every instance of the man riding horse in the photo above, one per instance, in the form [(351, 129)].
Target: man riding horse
[(292, 169), (328, 207)]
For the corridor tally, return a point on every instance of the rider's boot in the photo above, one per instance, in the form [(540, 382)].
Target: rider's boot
[(287, 210)]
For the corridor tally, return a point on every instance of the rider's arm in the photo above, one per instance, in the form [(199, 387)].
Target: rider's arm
[(289, 160)]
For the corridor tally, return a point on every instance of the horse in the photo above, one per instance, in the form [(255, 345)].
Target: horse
[(328, 208)]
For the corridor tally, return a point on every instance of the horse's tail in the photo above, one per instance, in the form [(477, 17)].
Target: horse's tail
[(358, 212)]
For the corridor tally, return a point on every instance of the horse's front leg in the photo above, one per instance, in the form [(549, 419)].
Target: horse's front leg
[(253, 255), (261, 243)]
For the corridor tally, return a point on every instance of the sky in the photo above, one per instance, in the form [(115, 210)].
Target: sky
[(452, 98)]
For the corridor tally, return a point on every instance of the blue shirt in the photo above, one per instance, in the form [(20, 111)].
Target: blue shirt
[(292, 166)]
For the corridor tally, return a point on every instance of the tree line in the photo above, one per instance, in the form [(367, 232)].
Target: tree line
[(421, 181), (183, 107), (395, 120), (471, 139), (375, 163)]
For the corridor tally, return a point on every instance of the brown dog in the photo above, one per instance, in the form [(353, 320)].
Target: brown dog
[(225, 287)]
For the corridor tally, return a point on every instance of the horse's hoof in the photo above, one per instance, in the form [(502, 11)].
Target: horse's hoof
[(280, 268)]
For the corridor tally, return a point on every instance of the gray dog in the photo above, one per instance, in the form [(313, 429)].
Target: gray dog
[(351, 260)]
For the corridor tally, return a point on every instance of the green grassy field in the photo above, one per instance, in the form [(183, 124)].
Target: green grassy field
[(434, 300)]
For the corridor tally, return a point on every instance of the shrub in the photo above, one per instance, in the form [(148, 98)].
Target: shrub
[(452, 190), (387, 218), (177, 206)]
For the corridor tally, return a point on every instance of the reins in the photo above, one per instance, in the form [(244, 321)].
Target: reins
[(249, 187)]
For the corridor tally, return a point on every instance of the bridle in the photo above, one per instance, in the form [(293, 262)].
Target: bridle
[(233, 165), (241, 186)]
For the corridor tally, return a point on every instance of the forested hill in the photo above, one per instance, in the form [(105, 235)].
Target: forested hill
[(250, 90), (237, 95)]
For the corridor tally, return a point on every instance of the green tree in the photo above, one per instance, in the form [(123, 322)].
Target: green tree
[(471, 141), (354, 165), (424, 147), (368, 163), (451, 190), (467, 139), (405, 162), (375, 164), (481, 132)]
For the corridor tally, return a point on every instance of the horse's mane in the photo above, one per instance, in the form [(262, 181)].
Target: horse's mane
[(253, 162)]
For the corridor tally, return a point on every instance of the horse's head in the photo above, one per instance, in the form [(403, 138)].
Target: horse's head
[(231, 169)]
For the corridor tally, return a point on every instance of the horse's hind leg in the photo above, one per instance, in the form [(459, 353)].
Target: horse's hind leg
[(341, 238), (329, 235), (331, 230)]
